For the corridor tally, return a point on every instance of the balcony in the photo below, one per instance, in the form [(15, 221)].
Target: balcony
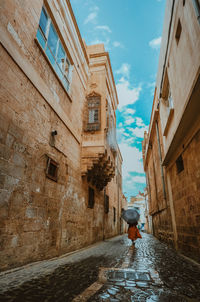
[(98, 161)]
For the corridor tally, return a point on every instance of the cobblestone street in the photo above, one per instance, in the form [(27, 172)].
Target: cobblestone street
[(112, 271)]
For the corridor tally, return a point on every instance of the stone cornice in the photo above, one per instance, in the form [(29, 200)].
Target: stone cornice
[(106, 54), (77, 30)]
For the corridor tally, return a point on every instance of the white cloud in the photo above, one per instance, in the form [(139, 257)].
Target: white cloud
[(152, 86), (139, 179), (122, 135), (129, 111), (130, 140), (92, 16), (139, 132), (127, 95), (124, 70), (132, 157), (129, 121), (139, 122), (117, 44), (155, 43), (94, 8), (104, 27)]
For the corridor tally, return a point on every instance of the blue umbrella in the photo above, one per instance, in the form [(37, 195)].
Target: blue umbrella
[(130, 216)]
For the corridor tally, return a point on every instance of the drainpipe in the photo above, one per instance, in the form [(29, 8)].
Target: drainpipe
[(149, 201), (171, 204), (118, 227), (160, 156)]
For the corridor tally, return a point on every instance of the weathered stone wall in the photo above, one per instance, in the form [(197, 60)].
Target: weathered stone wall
[(111, 226), (41, 218), (176, 109), (33, 206), (158, 202), (181, 75), (186, 196)]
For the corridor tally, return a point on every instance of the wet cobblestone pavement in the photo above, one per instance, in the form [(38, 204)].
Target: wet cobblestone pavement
[(109, 271)]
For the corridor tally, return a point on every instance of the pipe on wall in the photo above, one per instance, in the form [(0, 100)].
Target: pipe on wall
[(160, 156)]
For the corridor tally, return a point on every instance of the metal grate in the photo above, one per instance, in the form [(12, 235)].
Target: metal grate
[(128, 275)]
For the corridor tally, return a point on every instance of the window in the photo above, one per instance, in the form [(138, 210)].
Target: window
[(93, 108), (179, 164), (178, 31), (168, 101), (114, 214), (106, 204), (53, 48), (52, 169), (91, 198), (170, 104)]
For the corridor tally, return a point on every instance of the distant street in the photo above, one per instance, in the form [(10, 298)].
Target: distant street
[(112, 270)]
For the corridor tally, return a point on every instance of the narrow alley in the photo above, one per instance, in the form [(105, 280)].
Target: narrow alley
[(99, 136), (111, 271)]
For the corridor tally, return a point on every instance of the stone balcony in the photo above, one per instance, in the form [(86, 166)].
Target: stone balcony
[(98, 163)]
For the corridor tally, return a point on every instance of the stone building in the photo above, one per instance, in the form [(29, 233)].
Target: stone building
[(171, 148), (138, 202), (123, 225), (60, 166)]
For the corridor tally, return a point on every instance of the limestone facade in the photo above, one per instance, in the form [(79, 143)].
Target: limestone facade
[(60, 166), (171, 148), (138, 202)]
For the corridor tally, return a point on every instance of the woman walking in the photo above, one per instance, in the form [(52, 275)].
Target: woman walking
[(133, 232)]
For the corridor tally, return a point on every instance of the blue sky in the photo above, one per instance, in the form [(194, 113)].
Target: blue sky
[(131, 32)]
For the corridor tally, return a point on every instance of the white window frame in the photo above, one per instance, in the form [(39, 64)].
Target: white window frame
[(63, 76)]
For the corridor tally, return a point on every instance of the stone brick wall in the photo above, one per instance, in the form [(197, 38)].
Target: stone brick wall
[(158, 204), (176, 109), (41, 218), (33, 206), (186, 195)]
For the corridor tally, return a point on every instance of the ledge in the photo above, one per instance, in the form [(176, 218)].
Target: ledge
[(151, 129), (187, 127)]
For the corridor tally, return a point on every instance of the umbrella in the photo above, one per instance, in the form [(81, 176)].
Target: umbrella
[(130, 216)]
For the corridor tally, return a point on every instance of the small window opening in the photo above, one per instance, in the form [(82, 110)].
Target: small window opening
[(178, 31), (183, 2), (114, 214), (52, 169), (106, 204), (179, 164), (91, 198)]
